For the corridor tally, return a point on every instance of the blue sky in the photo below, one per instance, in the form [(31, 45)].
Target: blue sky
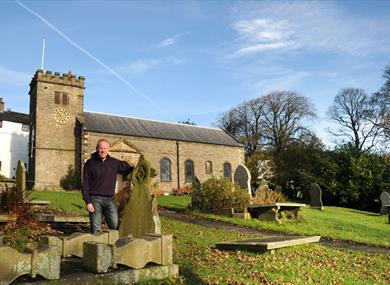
[(173, 60)]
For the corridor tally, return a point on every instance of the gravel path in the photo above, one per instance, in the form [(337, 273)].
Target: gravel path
[(230, 227)]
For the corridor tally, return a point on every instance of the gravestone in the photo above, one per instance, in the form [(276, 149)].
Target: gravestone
[(262, 193), (385, 200), (242, 176), (131, 252), (140, 215), (315, 196), (196, 185), (21, 179), (44, 261)]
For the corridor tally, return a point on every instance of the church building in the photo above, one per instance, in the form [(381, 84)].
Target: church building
[(63, 135)]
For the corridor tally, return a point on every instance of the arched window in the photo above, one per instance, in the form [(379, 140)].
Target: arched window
[(227, 170), (189, 171), (165, 169), (209, 167)]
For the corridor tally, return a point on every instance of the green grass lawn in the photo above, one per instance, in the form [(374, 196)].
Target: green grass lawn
[(201, 263), (334, 222), (70, 202), (177, 203)]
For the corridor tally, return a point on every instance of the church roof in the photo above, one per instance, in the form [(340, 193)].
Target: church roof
[(112, 124), (15, 117)]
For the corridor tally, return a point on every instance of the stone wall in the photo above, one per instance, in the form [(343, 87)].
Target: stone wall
[(156, 149)]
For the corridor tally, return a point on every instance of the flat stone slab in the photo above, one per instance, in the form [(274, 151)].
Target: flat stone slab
[(73, 273), (4, 218), (38, 202), (289, 205), (62, 219), (267, 243)]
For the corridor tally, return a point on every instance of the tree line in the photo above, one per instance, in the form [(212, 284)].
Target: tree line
[(273, 128)]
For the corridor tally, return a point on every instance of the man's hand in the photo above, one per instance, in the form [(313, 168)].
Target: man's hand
[(90, 208)]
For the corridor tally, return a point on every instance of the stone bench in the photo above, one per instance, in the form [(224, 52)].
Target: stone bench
[(276, 211)]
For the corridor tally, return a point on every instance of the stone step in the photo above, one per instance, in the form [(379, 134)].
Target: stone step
[(72, 273), (267, 243)]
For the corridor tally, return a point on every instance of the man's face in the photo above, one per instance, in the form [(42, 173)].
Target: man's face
[(102, 149)]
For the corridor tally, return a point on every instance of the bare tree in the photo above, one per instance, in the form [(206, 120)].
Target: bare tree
[(230, 122), (282, 117), (381, 103), (244, 123), (355, 114), (271, 121)]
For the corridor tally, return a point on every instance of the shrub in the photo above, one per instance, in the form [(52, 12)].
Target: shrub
[(181, 191), (10, 199), (219, 193), (71, 180), (22, 228)]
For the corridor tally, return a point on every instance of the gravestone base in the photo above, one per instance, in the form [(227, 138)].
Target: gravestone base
[(73, 273), (322, 208)]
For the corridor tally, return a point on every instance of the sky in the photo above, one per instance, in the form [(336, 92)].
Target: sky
[(178, 60)]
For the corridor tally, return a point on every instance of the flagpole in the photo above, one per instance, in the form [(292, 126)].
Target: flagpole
[(43, 53)]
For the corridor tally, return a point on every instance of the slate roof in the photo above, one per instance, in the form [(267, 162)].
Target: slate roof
[(112, 124), (15, 117)]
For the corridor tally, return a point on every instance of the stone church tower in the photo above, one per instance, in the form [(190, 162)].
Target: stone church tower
[(56, 105)]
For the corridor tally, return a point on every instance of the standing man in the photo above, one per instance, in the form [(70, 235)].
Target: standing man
[(99, 179)]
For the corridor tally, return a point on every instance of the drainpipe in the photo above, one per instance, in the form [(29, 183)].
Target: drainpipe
[(178, 165)]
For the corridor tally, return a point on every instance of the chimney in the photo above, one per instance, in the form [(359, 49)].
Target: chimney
[(1, 105)]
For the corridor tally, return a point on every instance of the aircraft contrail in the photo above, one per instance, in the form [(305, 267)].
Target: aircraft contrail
[(105, 66)]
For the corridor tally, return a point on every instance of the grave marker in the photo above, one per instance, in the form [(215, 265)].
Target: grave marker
[(315, 194), (385, 200), (21, 179), (140, 215), (242, 176)]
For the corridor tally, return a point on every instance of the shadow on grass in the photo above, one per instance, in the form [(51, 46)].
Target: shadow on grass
[(77, 206), (190, 276), (362, 212), (175, 207)]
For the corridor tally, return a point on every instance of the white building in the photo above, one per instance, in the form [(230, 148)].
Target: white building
[(14, 134)]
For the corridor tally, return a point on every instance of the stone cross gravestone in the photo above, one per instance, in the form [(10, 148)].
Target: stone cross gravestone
[(21, 179), (315, 196), (385, 200), (242, 176), (140, 215)]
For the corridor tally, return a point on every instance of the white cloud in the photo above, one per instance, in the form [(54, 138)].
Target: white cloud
[(263, 29), (310, 25), (168, 41), (12, 77), (263, 47), (287, 80), (142, 66)]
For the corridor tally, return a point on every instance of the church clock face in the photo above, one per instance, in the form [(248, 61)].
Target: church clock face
[(61, 115)]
